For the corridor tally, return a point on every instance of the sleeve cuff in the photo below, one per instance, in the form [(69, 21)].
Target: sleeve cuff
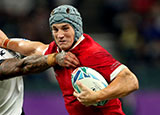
[(116, 71)]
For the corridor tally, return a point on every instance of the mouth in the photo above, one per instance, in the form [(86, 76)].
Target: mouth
[(61, 42)]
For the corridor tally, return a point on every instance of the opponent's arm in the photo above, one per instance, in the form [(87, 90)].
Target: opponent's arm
[(22, 46), (26, 48), (31, 64), (36, 63), (125, 83)]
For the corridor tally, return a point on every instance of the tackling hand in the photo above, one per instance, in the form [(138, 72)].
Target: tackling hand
[(67, 59)]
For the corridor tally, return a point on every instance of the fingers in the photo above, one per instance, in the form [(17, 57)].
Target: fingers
[(86, 97), (73, 56), (82, 100), (71, 59), (67, 59), (76, 94), (82, 87), (69, 64)]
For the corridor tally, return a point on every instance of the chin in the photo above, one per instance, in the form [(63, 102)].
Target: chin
[(63, 48)]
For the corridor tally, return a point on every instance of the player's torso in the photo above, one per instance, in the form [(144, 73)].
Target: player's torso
[(11, 90), (87, 59), (85, 52)]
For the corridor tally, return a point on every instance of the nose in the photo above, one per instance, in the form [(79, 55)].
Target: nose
[(60, 34)]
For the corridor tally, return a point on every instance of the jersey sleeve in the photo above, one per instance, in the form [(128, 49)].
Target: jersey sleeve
[(111, 66), (105, 64)]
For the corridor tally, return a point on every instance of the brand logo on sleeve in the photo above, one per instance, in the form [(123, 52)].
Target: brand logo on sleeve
[(2, 52)]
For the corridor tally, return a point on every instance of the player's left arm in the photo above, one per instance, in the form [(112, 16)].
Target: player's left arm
[(123, 84)]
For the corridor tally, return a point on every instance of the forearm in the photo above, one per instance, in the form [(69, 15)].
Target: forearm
[(9, 68), (31, 64), (20, 45), (125, 83), (24, 47)]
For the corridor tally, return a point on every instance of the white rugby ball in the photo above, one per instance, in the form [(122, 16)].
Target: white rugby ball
[(90, 78)]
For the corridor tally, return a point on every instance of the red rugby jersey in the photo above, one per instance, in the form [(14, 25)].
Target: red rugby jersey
[(90, 54)]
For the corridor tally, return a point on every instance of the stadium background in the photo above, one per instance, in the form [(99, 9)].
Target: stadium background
[(128, 29)]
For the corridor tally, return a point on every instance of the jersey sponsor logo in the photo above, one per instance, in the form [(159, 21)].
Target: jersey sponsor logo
[(2, 52)]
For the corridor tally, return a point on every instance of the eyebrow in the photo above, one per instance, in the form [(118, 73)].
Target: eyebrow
[(65, 25)]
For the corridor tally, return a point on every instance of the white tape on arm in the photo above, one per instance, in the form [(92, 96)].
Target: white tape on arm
[(116, 71)]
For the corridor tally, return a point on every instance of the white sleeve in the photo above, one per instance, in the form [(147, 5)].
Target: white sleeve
[(116, 71)]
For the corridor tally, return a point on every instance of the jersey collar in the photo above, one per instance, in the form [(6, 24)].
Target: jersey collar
[(76, 44)]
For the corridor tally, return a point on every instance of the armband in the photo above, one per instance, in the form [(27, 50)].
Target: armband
[(51, 59), (6, 42)]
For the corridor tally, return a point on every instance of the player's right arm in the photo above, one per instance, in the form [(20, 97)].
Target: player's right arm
[(13, 67), (24, 47)]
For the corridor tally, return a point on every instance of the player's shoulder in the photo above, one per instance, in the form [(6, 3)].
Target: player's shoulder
[(52, 47), (52, 43)]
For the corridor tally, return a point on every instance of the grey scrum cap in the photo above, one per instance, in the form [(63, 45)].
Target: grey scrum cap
[(67, 14)]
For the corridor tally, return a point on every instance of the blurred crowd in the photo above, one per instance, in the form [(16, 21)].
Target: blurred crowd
[(136, 25), (29, 18)]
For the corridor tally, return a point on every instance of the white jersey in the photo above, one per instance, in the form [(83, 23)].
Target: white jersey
[(11, 90)]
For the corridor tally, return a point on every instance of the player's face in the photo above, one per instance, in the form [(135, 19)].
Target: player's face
[(64, 35)]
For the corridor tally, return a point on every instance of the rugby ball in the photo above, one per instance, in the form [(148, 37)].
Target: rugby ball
[(90, 78)]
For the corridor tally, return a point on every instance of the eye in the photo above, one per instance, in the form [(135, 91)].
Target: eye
[(65, 28), (54, 29)]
